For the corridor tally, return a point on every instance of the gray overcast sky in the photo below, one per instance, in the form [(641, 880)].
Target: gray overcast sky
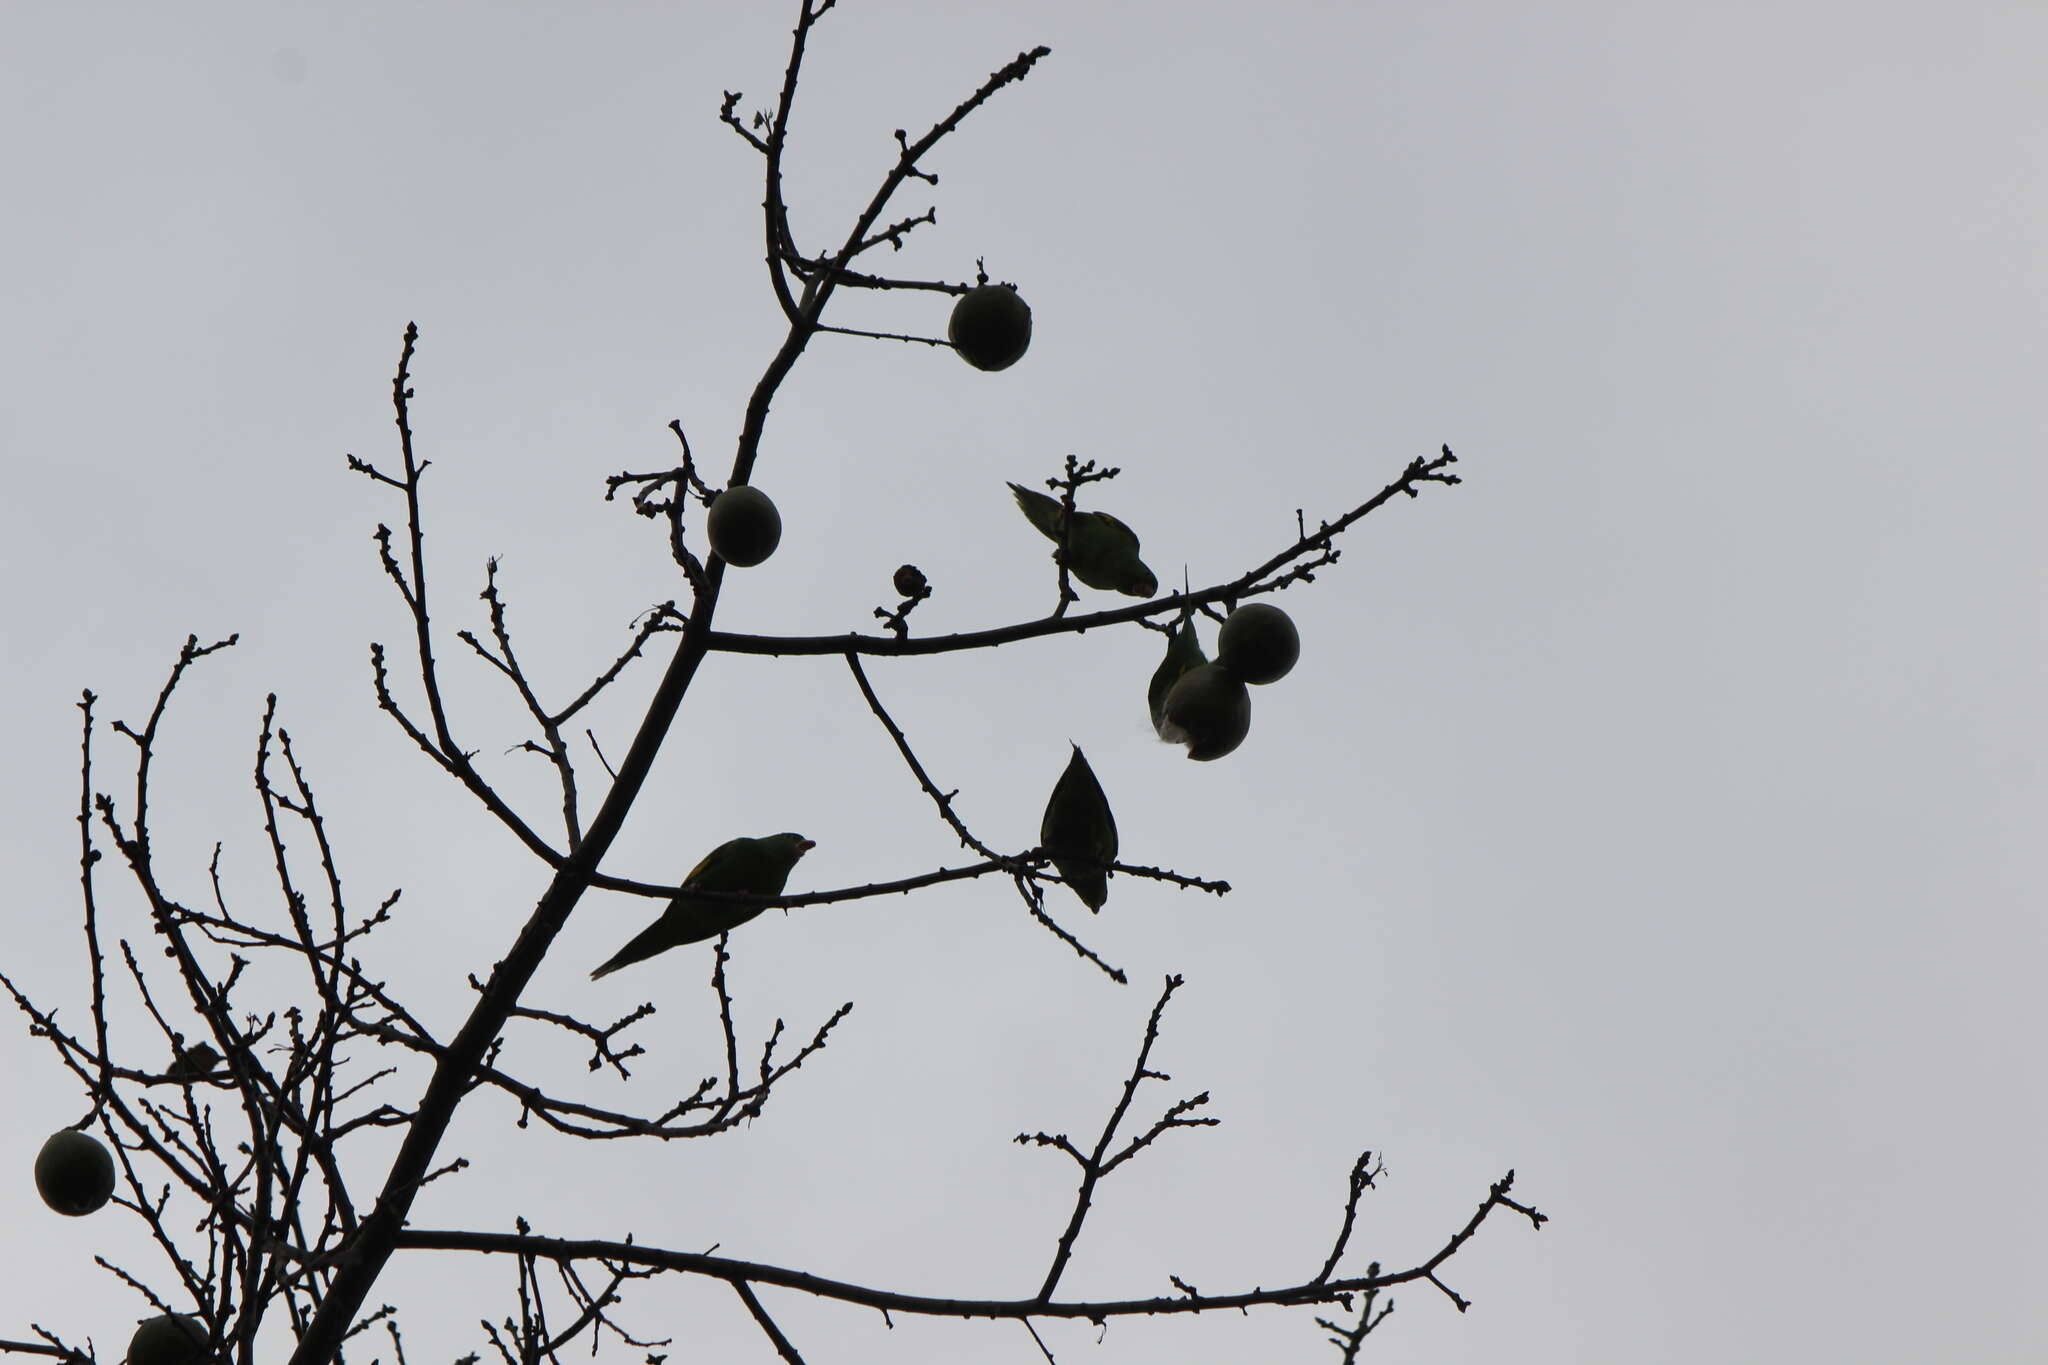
[(1656, 814)]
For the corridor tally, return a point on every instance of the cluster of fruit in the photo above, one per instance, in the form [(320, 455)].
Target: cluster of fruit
[(1194, 702), (75, 1176), (1205, 705)]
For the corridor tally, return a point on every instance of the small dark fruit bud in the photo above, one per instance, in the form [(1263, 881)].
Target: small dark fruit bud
[(1210, 706), (910, 583), (194, 1063), (743, 526), (991, 327), (1258, 643), (74, 1173)]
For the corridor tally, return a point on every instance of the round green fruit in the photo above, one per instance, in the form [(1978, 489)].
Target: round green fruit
[(169, 1339), (743, 526), (991, 327), (1258, 643), (74, 1174), (1211, 708)]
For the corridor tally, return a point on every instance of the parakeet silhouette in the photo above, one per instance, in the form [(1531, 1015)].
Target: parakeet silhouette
[(1102, 552), (757, 867), (1183, 652), (1079, 832)]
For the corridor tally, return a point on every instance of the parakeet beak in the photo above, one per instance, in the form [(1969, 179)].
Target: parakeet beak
[(805, 847)]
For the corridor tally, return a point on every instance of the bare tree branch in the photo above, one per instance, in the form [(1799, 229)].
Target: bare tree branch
[(238, 1111), (1091, 1310)]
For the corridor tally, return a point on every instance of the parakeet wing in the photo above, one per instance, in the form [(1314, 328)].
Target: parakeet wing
[(1120, 535), (733, 866), (715, 864), (1132, 577)]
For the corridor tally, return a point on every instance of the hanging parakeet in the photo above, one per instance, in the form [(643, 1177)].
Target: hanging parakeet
[(1078, 831), (756, 867), (1183, 652), (1103, 552)]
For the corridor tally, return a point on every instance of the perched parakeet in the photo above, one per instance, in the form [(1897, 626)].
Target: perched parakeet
[(757, 867), (1079, 832), (1103, 552), (1183, 652)]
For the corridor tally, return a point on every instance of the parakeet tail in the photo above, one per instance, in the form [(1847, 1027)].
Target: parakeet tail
[(644, 945)]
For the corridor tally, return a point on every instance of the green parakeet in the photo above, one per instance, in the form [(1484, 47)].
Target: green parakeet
[(1079, 832), (1183, 652), (1103, 552), (756, 867)]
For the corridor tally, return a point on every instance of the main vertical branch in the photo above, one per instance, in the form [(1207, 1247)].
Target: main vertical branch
[(363, 1261)]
